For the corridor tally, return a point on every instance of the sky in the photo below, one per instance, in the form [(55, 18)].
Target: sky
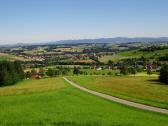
[(30, 21)]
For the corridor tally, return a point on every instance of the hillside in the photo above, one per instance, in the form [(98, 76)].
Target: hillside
[(53, 102)]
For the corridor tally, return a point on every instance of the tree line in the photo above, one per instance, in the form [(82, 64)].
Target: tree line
[(10, 72)]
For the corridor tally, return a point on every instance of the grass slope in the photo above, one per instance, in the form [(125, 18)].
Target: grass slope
[(30, 86), (4, 56), (106, 58), (133, 54), (67, 106), (138, 54), (145, 90)]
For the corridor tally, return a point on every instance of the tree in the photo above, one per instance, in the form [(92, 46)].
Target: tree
[(149, 69), (132, 70), (18, 70), (57, 72), (28, 74), (109, 73), (110, 64), (76, 70), (33, 72), (164, 74), (50, 72), (41, 72), (124, 70)]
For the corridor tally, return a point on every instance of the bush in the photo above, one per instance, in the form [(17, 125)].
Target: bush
[(124, 70), (109, 73), (164, 74), (76, 71), (50, 72)]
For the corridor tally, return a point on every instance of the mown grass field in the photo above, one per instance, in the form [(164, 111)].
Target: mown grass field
[(146, 90), (53, 102)]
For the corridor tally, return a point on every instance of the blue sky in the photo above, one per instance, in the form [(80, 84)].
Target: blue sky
[(50, 20)]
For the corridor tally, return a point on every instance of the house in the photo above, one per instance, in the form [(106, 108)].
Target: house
[(36, 76), (98, 68)]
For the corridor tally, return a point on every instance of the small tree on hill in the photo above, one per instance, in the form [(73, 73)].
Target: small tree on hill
[(124, 70), (33, 72), (41, 72), (132, 70), (149, 69), (50, 72), (28, 74), (110, 64), (76, 70)]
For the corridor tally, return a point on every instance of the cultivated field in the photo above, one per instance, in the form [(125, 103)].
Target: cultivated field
[(52, 102), (146, 90)]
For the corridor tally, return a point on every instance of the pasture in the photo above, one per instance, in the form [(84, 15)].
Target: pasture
[(138, 53), (106, 58), (142, 89), (4, 56), (133, 54), (53, 102)]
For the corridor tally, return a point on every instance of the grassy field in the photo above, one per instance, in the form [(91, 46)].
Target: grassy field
[(133, 54), (62, 105), (141, 89), (4, 56), (106, 58), (31, 86), (100, 72), (138, 54), (144, 74)]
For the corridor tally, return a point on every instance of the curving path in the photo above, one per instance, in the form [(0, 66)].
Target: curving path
[(118, 100)]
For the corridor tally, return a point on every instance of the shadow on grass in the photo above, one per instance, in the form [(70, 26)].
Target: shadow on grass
[(156, 81)]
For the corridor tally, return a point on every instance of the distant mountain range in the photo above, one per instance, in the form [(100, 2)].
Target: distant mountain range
[(114, 40), (101, 40)]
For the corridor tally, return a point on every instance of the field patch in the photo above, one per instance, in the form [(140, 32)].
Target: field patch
[(113, 58), (28, 86)]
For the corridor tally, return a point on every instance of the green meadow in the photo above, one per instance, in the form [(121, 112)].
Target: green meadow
[(138, 53), (53, 102), (133, 54), (142, 89)]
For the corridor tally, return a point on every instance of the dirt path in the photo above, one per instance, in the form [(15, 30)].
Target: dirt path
[(118, 100)]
